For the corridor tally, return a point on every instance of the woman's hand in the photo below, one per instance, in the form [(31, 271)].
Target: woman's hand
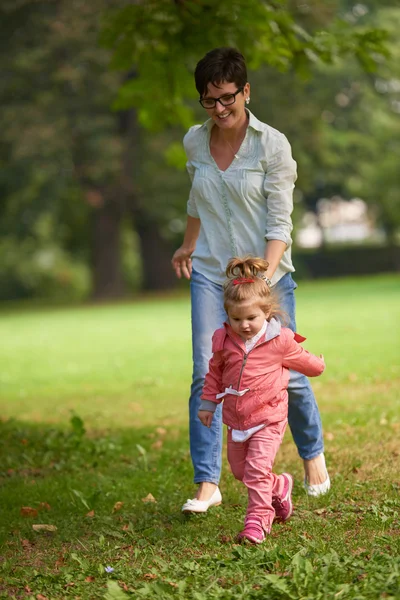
[(182, 263), (206, 417)]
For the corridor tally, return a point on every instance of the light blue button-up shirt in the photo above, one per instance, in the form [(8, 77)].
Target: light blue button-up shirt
[(246, 205)]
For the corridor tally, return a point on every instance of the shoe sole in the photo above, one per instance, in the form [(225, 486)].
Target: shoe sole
[(279, 519), (242, 539)]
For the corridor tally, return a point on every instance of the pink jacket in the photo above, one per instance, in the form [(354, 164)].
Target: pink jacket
[(263, 372)]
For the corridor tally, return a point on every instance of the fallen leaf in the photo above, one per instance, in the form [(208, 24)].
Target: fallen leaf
[(117, 506), (41, 597), (27, 589), (44, 527), (157, 445), (125, 527), (124, 586), (26, 543), (175, 585), (90, 578), (329, 436), (150, 576), (27, 511), (44, 506), (161, 430), (24, 442), (60, 560), (320, 511), (149, 498), (90, 514)]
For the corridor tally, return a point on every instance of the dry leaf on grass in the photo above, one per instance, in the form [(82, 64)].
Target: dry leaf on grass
[(44, 506), (150, 576), (149, 498), (320, 511), (117, 506), (157, 445), (90, 578), (90, 513), (161, 430), (27, 511), (44, 527)]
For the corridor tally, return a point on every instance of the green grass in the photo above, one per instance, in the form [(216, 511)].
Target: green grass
[(124, 370)]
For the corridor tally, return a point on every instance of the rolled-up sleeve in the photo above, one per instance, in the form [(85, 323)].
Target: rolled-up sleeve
[(281, 173), (187, 143)]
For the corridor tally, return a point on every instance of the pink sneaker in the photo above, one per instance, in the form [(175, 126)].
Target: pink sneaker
[(283, 503), (253, 531)]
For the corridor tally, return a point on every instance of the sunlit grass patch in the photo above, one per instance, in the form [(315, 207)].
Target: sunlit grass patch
[(94, 407)]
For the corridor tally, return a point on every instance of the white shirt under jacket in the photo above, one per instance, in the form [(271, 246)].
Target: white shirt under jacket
[(246, 205)]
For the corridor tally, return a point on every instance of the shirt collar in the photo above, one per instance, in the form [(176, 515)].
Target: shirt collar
[(253, 341), (254, 123)]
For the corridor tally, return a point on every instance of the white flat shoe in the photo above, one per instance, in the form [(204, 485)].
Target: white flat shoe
[(318, 489), (202, 506)]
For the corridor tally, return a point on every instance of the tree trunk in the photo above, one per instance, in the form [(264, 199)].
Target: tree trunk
[(155, 251), (156, 255), (106, 257)]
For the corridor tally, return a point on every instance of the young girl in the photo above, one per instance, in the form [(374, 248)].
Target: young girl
[(249, 371)]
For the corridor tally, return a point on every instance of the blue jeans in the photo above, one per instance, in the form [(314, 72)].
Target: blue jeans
[(208, 314)]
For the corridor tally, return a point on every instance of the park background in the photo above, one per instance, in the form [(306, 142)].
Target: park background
[(95, 347)]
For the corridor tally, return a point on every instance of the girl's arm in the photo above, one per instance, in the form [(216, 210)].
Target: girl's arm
[(213, 382), (298, 359), (212, 387)]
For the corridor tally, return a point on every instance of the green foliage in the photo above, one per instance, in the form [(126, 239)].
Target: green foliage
[(41, 268), (65, 156), (162, 41)]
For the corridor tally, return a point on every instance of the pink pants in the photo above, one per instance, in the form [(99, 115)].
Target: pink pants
[(251, 462)]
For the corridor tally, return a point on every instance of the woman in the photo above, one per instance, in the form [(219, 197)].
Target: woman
[(240, 202)]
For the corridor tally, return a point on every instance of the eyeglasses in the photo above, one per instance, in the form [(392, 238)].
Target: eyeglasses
[(225, 100)]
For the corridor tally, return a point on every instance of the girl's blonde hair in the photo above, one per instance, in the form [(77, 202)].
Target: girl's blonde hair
[(243, 283)]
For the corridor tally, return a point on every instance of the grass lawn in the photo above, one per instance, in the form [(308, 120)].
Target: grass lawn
[(94, 419)]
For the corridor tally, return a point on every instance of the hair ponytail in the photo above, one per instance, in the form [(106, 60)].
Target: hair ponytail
[(243, 284), (248, 266)]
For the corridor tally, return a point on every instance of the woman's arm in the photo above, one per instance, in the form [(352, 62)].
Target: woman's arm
[(278, 189), (273, 254), (181, 261)]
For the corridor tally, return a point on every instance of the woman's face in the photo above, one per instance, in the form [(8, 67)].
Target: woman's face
[(232, 116)]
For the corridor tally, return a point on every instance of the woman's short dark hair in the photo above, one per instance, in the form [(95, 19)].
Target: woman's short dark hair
[(218, 65)]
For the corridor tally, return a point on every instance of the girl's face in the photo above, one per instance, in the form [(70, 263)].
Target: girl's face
[(232, 116), (246, 319)]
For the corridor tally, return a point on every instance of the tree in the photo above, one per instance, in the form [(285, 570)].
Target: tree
[(78, 171)]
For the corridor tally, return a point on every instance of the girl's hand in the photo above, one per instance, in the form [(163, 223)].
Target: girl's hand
[(182, 263), (206, 417)]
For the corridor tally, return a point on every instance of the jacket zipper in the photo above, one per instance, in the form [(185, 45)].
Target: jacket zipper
[(244, 361)]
